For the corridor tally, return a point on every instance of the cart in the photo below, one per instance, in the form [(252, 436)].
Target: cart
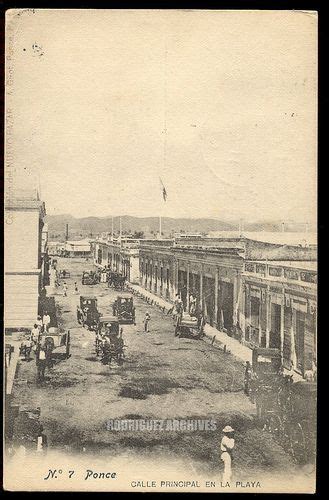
[(90, 278), (57, 342), (107, 325), (109, 342), (124, 309), (87, 313), (188, 326), (286, 409)]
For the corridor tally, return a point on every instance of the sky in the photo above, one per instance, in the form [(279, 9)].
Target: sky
[(222, 105)]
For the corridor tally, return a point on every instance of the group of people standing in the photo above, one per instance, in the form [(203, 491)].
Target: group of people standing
[(36, 344)]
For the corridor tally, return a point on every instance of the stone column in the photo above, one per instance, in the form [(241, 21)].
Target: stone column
[(176, 275), (150, 278), (172, 279), (216, 298), (188, 285), (268, 316), (243, 309), (201, 287), (235, 298), (282, 325)]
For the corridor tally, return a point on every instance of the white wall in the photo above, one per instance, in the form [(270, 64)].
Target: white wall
[(134, 270), (21, 300), (22, 241), (22, 252)]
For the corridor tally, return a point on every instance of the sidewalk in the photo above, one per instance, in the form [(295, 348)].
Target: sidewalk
[(217, 337), (11, 369)]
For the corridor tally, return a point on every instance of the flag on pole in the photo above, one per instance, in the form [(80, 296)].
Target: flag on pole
[(164, 192)]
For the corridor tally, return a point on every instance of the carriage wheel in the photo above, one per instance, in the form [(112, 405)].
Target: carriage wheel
[(297, 443), (275, 426)]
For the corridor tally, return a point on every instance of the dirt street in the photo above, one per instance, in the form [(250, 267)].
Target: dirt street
[(162, 377)]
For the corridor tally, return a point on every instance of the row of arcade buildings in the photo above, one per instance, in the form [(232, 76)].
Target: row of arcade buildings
[(262, 293)]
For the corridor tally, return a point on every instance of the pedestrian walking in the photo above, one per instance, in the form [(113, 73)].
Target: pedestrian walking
[(41, 363), (247, 378), (48, 351), (39, 323), (146, 322), (192, 304), (43, 293), (35, 332), (45, 321), (42, 442), (226, 448), (178, 307), (26, 348), (65, 289), (76, 287)]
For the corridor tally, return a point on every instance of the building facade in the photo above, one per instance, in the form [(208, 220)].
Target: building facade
[(120, 254), (79, 248), (25, 259), (279, 309), (264, 294)]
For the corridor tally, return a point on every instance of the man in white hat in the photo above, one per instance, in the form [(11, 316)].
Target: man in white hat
[(226, 447)]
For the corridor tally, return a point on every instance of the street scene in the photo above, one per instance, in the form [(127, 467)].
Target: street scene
[(161, 307), (162, 377)]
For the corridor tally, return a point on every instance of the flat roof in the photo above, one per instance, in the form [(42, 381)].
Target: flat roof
[(277, 237), (295, 264)]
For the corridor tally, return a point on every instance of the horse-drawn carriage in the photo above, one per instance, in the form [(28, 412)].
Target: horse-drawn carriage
[(109, 343), (116, 280), (87, 313), (124, 309), (90, 278), (285, 408), (56, 342), (189, 326)]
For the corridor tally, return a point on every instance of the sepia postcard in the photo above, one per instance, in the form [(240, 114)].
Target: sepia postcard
[(160, 251)]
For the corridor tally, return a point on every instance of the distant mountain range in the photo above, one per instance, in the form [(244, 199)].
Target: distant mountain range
[(91, 226)]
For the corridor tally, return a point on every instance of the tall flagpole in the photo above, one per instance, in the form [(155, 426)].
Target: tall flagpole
[(164, 129)]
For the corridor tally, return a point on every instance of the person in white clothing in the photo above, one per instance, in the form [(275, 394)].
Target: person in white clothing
[(46, 321), (39, 323), (35, 333), (226, 448)]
